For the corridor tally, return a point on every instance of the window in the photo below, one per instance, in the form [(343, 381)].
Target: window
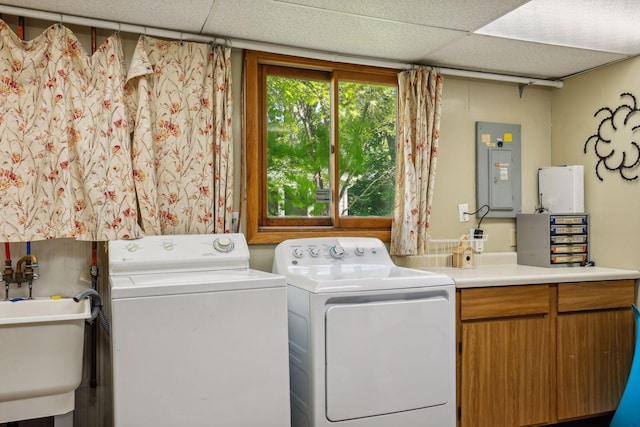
[(321, 146)]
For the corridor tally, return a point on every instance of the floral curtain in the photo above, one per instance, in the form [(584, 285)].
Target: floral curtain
[(179, 97), (65, 168), (420, 100)]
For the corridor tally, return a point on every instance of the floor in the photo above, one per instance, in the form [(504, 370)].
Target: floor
[(40, 422), (592, 422)]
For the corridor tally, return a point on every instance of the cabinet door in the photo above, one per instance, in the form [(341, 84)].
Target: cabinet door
[(595, 331), (505, 378), (594, 356)]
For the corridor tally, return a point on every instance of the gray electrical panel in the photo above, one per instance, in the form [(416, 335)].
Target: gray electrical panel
[(498, 169)]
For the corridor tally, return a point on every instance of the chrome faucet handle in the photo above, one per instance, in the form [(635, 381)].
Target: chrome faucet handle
[(28, 273), (7, 273)]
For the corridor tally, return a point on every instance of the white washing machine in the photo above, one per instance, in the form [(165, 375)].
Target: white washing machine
[(370, 344), (198, 338)]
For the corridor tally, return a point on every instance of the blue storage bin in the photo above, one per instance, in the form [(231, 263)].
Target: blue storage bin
[(628, 412)]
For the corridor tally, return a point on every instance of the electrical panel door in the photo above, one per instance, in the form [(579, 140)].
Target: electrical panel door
[(498, 169)]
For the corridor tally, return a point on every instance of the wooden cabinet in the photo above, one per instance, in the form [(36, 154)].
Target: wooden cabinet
[(505, 356), (537, 354), (595, 330)]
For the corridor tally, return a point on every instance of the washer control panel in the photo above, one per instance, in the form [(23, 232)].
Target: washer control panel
[(331, 250), (175, 253)]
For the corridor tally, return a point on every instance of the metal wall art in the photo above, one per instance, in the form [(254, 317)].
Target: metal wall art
[(615, 143)]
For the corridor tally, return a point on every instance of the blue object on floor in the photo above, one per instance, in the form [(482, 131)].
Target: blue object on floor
[(628, 412)]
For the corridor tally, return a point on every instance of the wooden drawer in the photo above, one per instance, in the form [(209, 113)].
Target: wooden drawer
[(595, 295), (503, 301)]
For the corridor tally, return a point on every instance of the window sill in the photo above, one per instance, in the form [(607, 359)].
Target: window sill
[(279, 234)]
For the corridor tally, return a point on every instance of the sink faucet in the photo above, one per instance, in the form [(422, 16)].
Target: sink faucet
[(19, 276), (31, 261)]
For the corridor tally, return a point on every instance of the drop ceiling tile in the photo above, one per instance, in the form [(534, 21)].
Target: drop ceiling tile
[(187, 16), (318, 29), (609, 26), (432, 32), (514, 57), (451, 14)]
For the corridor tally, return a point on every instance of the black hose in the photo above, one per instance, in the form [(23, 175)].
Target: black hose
[(93, 380), (104, 322), (96, 313)]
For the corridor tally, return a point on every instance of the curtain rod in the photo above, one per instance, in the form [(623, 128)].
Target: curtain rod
[(265, 47)]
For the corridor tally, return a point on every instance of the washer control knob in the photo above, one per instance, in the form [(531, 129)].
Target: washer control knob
[(336, 252), (297, 253), (132, 247), (314, 252), (223, 244), (359, 251)]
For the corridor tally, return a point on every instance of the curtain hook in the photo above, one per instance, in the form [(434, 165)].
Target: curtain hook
[(60, 23), (181, 39)]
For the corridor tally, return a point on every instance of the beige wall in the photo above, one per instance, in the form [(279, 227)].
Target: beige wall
[(466, 101), (614, 204)]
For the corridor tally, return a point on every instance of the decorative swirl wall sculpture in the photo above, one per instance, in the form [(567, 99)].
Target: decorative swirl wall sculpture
[(615, 142)]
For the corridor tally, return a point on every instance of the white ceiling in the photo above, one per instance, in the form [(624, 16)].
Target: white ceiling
[(430, 32)]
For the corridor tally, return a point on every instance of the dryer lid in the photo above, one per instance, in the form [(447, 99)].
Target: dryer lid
[(341, 278)]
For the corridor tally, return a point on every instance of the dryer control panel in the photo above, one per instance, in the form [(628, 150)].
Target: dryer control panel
[(347, 264), (330, 251)]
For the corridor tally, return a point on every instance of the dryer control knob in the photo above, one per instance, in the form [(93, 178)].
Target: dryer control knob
[(336, 252), (223, 244), (297, 252), (359, 251), (314, 252)]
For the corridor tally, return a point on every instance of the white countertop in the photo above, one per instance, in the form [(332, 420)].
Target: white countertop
[(501, 270), (514, 274)]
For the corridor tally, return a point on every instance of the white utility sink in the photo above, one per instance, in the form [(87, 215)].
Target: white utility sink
[(41, 347)]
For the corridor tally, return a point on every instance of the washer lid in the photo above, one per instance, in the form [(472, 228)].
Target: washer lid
[(357, 278), (159, 284)]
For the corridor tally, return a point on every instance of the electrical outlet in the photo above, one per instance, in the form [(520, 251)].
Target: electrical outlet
[(234, 222), (513, 237), (463, 212)]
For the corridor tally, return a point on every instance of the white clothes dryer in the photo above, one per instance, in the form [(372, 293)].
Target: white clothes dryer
[(198, 338), (371, 344)]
